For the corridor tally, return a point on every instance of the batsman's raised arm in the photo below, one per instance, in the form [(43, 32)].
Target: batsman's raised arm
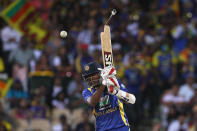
[(114, 86)]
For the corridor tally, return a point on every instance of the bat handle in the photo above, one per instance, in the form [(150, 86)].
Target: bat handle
[(113, 12)]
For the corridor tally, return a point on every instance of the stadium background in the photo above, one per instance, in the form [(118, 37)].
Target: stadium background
[(155, 53)]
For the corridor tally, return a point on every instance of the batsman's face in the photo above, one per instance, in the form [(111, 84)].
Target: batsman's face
[(93, 80)]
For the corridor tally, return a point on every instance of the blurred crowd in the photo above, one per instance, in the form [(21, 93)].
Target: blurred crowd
[(154, 51)]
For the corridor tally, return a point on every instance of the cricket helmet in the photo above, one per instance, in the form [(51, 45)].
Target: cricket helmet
[(88, 73), (90, 69)]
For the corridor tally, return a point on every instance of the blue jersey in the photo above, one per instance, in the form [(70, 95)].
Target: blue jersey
[(134, 80), (109, 112)]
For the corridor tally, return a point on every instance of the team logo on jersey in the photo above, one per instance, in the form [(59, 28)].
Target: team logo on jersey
[(108, 58), (104, 102), (87, 68)]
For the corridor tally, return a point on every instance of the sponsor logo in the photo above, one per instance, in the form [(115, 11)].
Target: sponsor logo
[(108, 58), (110, 110), (104, 103)]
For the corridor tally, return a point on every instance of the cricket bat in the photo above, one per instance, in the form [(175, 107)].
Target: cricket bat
[(106, 46), (108, 61)]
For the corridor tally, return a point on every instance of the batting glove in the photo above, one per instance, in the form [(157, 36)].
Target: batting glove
[(107, 72), (112, 84)]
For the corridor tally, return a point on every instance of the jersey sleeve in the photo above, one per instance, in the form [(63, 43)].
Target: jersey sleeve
[(86, 94)]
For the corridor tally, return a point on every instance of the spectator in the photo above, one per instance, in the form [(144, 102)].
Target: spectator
[(62, 63), (179, 124), (10, 40), (157, 126), (74, 85), (171, 100), (164, 63), (97, 57), (37, 54), (20, 57), (22, 111), (61, 101), (95, 45), (187, 89), (193, 119), (74, 91), (55, 42), (38, 110), (57, 88), (134, 80), (85, 125), (144, 59), (178, 34), (85, 36), (193, 100), (16, 93), (59, 12), (63, 125), (188, 58), (43, 64), (134, 76), (43, 93), (82, 58)]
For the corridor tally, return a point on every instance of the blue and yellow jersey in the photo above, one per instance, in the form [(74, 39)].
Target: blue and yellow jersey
[(189, 58), (134, 77), (164, 63), (109, 112)]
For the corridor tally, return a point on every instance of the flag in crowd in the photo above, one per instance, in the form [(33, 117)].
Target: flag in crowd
[(22, 16)]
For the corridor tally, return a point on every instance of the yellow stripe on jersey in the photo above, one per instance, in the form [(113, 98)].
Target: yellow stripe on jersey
[(90, 89), (122, 112), (93, 111)]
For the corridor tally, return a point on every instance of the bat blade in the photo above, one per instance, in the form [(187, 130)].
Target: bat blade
[(106, 46)]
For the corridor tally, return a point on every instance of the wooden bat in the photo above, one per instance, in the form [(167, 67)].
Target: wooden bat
[(106, 46)]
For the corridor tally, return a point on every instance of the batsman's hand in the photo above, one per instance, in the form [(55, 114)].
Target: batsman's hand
[(114, 89), (107, 72), (112, 84)]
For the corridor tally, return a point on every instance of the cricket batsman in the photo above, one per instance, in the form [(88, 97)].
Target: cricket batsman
[(105, 96)]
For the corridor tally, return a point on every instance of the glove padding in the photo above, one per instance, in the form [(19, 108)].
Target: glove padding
[(108, 76), (112, 84), (107, 72)]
